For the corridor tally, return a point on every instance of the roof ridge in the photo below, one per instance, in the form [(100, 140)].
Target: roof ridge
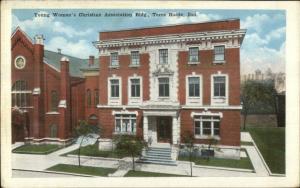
[(65, 54)]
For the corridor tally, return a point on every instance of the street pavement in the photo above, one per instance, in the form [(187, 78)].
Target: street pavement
[(42, 162)]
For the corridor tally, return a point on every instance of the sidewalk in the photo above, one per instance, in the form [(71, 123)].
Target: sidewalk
[(42, 162), (257, 162)]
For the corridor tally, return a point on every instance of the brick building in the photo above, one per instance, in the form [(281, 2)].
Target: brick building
[(158, 83)]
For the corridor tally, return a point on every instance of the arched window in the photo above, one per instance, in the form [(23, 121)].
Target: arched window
[(88, 98), (96, 99), (54, 101), (53, 131), (20, 94)]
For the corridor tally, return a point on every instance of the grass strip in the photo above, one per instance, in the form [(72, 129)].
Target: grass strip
[(87, 170), (243, 163), (36, 149)]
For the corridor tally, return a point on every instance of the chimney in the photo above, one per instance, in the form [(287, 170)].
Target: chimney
[(59, 50), (91, 60), (39, 39)]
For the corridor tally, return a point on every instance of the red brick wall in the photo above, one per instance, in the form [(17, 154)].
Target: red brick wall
[(124, 71), (186, 28), (229, 126), (22, 46), (91, 83), (78, 105), (107, 122), (206, 68)]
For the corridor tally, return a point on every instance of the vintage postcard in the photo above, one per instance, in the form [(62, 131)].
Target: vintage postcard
[(133, 94)]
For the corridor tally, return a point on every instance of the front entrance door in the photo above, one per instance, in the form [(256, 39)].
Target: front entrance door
[(164, 129)]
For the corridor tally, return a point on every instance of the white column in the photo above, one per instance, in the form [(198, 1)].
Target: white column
[(145, 128), (174, 130)]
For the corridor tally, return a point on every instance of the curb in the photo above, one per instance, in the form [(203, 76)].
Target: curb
[(55, 172), (219, 168)]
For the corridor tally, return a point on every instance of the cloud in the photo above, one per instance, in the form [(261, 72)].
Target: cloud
[(81, 48), (276, 33), (200, 17), (262, 57), (48, 23), (260, 22)]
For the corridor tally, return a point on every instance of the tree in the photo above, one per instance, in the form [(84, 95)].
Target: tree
[(188, 139), (130, 145), (257, 96), (83, 131)]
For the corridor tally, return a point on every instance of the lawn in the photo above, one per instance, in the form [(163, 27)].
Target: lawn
[(271, 143), (132, 173), (94, 171), (36, 149), (92, 150), (230, 163)]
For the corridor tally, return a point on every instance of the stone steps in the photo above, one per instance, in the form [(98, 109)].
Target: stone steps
[(158, 155)]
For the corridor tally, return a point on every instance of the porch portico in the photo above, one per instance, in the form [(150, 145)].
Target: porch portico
[(161, 126)]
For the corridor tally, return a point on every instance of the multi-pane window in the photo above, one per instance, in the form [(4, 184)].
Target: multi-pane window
[(96, 97), (219, 53), (114, 59), (54, 100), (125, 123), (194, 54), (219, 86), (163, 56), (88, 98), (135, 58), (114, 88), (20, 95), (194, 86), (163, 84), (207, 125), (53, 131), (135, 87)]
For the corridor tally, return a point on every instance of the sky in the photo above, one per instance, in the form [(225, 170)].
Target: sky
[(263, 46)]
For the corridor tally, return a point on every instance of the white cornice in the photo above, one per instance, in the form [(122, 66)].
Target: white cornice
[(172, 38)]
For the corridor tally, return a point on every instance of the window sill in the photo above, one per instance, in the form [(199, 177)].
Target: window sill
[(193, 63), (219, 62), (114, 66), (124, 133), (52, 113), (163, 98), (134, 66), (207, 137)]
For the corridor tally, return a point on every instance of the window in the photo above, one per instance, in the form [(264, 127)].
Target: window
[(135, 87), (96, 97), (163, 56), (54, 101), (219, 86), (114, 88), (88, 98), (114, 59), (163, 87), (125, 123), (135, 58), (207, 125), (53, 131), (194, 54), (219, 53), (194, 86), (20, 94)]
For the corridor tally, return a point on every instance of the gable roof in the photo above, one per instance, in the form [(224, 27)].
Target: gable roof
[(53, 58), (75, 64)]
